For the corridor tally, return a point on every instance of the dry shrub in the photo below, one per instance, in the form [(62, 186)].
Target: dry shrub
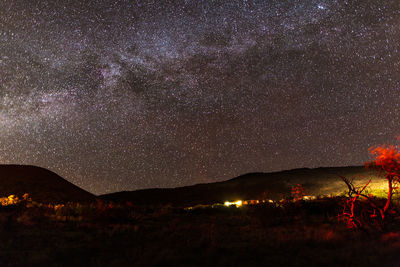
[(298, 192)]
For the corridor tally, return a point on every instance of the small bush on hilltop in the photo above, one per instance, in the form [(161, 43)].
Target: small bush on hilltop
[(298, 192)]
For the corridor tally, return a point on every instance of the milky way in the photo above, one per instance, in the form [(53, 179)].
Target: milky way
[(124, 95)]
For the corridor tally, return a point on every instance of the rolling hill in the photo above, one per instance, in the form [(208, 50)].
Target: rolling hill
[(41, 184), (45, 186), (277, 185)]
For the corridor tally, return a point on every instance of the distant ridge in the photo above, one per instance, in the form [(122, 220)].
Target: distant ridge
[(276, 185), (41, 184)]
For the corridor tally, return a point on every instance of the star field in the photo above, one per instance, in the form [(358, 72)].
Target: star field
[(124, 95)]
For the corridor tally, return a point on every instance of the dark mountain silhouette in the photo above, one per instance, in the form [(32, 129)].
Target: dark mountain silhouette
[(277, 185), (42, 185)]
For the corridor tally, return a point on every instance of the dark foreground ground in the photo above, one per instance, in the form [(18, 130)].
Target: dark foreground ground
[(104, 234)]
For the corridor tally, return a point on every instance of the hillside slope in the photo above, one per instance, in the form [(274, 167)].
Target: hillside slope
[(277, 185), (41, 184)]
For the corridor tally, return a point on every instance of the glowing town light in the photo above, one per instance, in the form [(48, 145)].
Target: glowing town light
[(236, 203), (309, 197)]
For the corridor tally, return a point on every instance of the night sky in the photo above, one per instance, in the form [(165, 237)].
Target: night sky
[(125, 95)]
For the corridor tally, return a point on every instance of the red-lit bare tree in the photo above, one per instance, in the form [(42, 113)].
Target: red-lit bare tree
[(387, 162), (349, 206)]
